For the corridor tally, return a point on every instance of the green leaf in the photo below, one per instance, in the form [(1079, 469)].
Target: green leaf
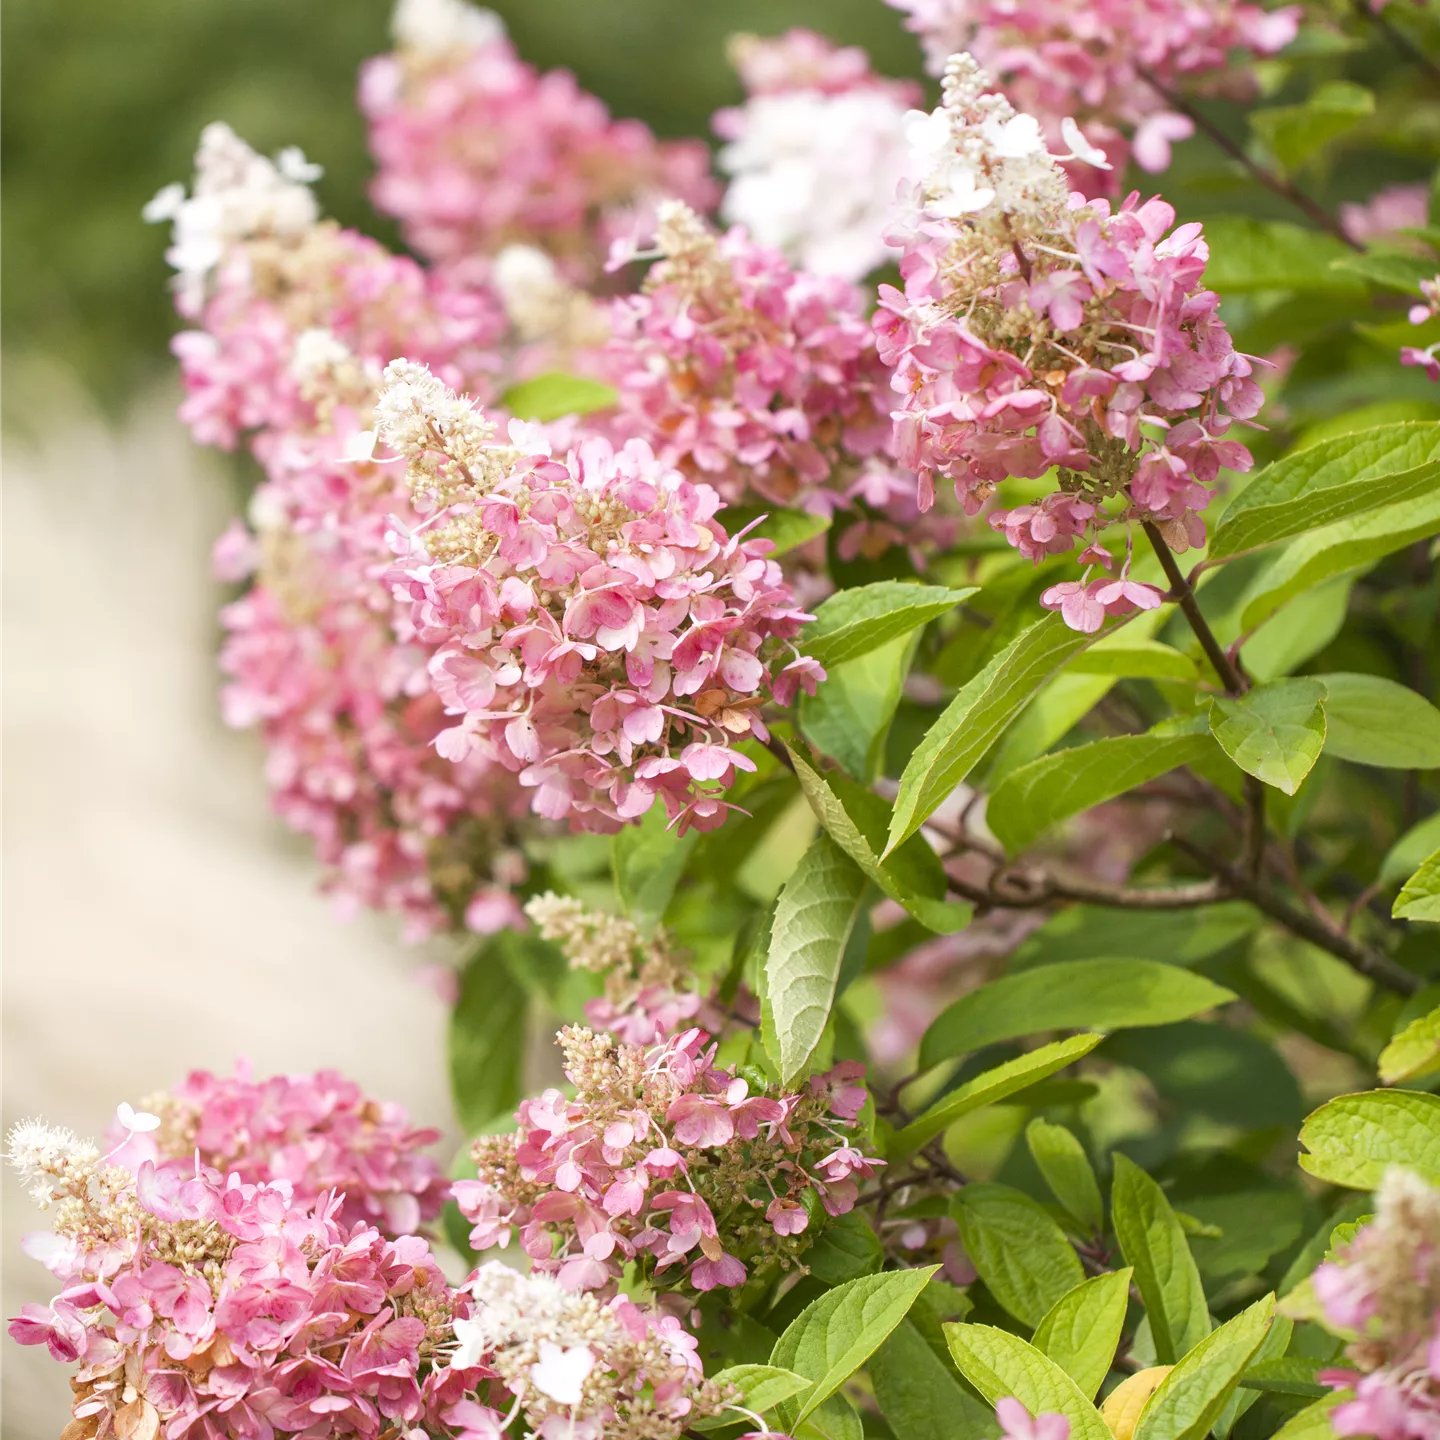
[(647, 859), (1413, 1051), (788, 529), (1083, 1328), (1135, 659), (988, 1088), (1153, 1242), (856, 818), (1091, 932), (1410, 851), (1190, 1398), (1354, 1138), (834, 1336), (1070, 995), (1046, 791), (853, 622), (1062, 1160), (487, 1038), (836, 1419), (919, 1395), (1285, 1375), (814, 916), (1347, 545), (975, 719), (1373, 721), (761, 1387), (1390, 272), (1248, 255), (1274, 732), (1420, 898), (1313, 1422), (848, 1247), (998, 1364), (1302, 629), (849, 715), (1294, 133), (1061, 704), (1272, 1349), (553, 394), (1020, 1253), (1344, 476)]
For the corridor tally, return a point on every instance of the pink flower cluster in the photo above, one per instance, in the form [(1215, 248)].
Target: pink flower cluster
[(761, 379), (1384, 1288), (1426, 359), (477, 150), (296, 327), (1113, 65), (594, 627), (656, 1145), (1038, 330), (224, 1310), (315, 1133)]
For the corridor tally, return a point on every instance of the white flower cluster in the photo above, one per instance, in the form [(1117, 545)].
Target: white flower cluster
[(975, 154), (418, 413), (43, 1154), (238, 194), (437, 27), (814, 174)]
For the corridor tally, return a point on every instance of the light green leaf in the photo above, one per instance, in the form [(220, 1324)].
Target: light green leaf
[(834, 1336), (1313, 1422), (988, 1088), (1347, 545), (814, 916), (849, 715), (1301, 630), (1091, 932), (1274, 732), (1284, 1375), (1154, 1243), (1353, 1139), (487, 1039), (1294, 133), (1070, 995), (1248, 255), (549, 396), (1390, 272), (1373, 721), (1135, 659), (1191, 1397), (761, 1387), (1410, 851), (853, 622), (647, 859), (848, 1247), (998, 1364), (1052, 714), (1083, 1328), (1348, 475), (1272, 1348), (1062, 1160), (976, 717), (1020, 1253), (919, 1395), (856, 818), (1420, 899), (788, 529), (1046, 791)]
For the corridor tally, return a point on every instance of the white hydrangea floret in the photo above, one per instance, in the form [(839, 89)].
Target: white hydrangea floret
[(437, 27)]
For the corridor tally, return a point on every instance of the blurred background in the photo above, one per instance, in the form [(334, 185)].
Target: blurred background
[(158, 918)]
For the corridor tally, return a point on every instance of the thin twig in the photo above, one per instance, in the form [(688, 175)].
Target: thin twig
[(1278, 184), (1368, 961), (1231, 676)]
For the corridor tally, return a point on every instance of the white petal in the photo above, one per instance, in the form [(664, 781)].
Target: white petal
[(136, 1120), (1080, 147), (164, 205)]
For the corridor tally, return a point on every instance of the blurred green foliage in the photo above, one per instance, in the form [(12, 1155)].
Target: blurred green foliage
[(102, 103)]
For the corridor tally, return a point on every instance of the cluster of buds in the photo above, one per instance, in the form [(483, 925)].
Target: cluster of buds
[(667, 1161), (649, 992), (816, 152), (1384, 1289), (297, 319), (597, 631), (206, 1307), (579, 1368), (478, 150), (1038, 330), (314, 1133), (760, 379), (1116, 65)]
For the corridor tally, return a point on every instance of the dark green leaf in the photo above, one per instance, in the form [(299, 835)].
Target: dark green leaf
[(648, 859), (849, 715), (1373, 721), (919, 1395), (1248, 255), (848, 1247), (1294, 133), (488, 1028)]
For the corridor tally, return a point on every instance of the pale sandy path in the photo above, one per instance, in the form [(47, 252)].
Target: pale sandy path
[(157, 917)]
